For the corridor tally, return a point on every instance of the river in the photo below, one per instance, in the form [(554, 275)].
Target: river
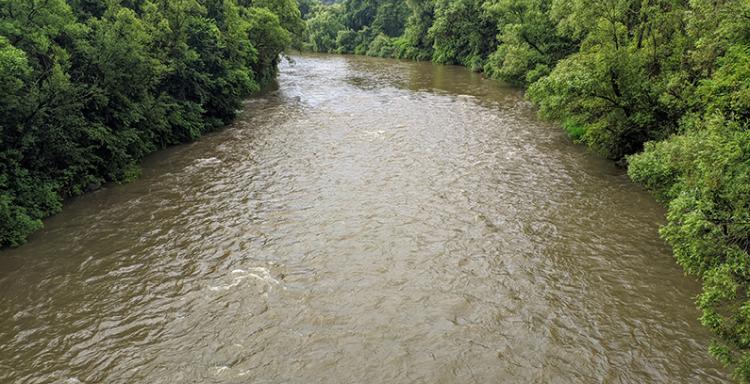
[(363, 221)]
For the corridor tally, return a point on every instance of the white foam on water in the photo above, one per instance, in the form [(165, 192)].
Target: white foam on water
[(205, 162), (263, 274), (376, 133), (208, 161), (237, 280), (221, 369), (239, 275)]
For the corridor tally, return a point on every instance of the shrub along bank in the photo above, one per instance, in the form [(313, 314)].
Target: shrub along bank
[(662, 86), (89, 87)]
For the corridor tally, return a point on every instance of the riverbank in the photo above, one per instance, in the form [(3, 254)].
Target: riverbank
[(85, 98), (655, 85), (411, 213)]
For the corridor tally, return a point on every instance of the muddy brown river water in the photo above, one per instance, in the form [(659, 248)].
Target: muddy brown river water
[(365, 221)]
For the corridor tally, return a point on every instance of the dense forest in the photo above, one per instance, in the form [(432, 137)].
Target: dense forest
[(661, 86), (89, 87)]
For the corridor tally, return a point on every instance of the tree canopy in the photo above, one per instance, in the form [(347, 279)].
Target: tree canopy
[(90, 87), (660, 86)]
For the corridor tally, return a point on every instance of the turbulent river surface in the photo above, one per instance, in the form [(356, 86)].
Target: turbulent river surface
[(365, 221)]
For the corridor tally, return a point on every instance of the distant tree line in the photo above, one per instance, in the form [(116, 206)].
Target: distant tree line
[(661, 86), (88, 87)]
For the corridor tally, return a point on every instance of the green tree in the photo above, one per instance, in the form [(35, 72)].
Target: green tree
[(323, 29), (614, 93), (462, 33), (703, 174), (89, 88), (529, 45), (416, 43)]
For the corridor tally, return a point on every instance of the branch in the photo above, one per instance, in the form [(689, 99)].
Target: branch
[(526, 39)]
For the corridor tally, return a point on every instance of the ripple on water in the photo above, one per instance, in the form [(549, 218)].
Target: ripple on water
[(366, 221)]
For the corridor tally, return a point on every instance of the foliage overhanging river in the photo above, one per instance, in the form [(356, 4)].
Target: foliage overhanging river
[(368, 221)]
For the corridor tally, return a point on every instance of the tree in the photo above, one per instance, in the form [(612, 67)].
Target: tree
[(529, 45), (462, 33), (89, 88), (703, 174), (613, 94)]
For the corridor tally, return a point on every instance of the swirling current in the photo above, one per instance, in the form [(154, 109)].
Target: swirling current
[(363, 221)]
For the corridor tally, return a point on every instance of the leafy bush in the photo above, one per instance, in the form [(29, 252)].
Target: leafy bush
[(703, 175), (89, 88), (660, 86), (381, 46)]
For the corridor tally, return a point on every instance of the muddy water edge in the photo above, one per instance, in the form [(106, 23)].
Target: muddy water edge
[(364, 221)]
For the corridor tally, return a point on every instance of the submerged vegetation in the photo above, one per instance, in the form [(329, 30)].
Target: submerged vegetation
[(662, 86), (89, 87)]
